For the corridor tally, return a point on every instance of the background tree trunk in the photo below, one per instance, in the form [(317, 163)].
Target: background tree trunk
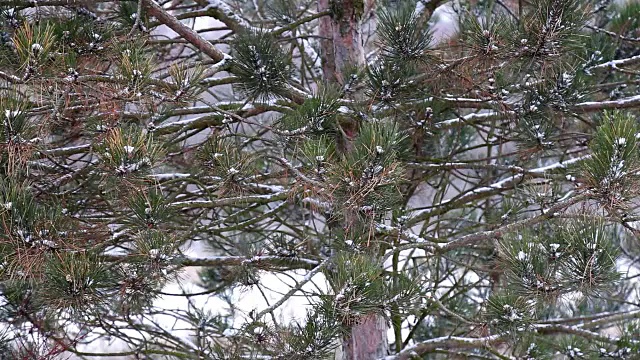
[(341, 47), (367, 340), (341, 37)]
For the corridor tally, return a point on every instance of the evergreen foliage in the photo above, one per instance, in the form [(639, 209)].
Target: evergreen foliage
[(475, 195)]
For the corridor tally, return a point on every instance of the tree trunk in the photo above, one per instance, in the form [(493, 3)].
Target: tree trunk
[(341, 37), (367, 340), (342, 46)]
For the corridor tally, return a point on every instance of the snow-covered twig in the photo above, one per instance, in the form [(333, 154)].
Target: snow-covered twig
[(624, 103), (258, 261), (183, 30), (69, 150), (616, 63), (495, 188), (247, 199), (457, 342), (221, 11), (446, 342), (293, 290), (471, 118), (486, 235), (477, 237)]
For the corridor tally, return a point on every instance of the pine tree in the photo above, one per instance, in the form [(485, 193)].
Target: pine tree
[(466, 197)]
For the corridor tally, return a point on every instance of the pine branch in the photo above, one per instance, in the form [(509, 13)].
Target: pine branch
[(455, 342), (12, 79), (445, 342), (595, 320), (221, 11), (474, 166), (117, 139), (32, 3), (613, 34), (186, 32), (294, 289), (486, 235), (575, 330), (493, 189), (69, 150), (241, 200), (625, 103), (482, 236), (279, 262), (617, 63), (280, 30), (472, 119)]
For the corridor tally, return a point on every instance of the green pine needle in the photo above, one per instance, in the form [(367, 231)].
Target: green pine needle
[(76, 281), (402, 35), (610, 172), (261, 65)]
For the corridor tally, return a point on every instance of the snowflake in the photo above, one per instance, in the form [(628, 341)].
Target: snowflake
[(12, 114), (574, 352), (36, 48)]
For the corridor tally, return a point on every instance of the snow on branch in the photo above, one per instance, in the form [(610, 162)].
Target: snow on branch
[(186, 32), (446, 342), (221, 11), (495, 188), (472, 118), (485, 235), (247, 199), (624, 103), (457, 342), (613, 64), (68, 150), (295, 289), (598, 319), (256, 261)]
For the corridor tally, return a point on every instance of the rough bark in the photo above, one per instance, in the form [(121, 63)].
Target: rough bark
[(367, 340), (341, 37), (342, 46)]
